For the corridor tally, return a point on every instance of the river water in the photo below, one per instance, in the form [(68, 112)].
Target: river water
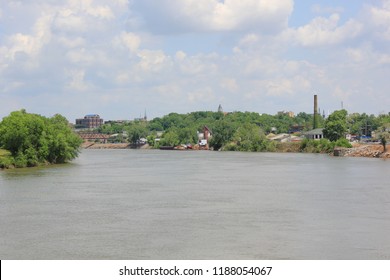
[(151, 204)]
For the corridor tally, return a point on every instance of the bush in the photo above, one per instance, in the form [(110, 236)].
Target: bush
[(316, 146), (6, 162), (343, 143), (20, 161), (231, 147)]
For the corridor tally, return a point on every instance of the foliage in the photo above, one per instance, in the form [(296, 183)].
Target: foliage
[(250, 138), (111, 128), (223, 132), (6, 159), (383, 139), (322, 145), (187, 135), (33, 139), (136, 131), (343, 142), (336, 125), (317, 146), (384, 135), (362, 124), (170, 138)]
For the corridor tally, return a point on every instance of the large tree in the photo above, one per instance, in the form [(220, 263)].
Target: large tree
[(335, 126), (222, 134), (33, 139)]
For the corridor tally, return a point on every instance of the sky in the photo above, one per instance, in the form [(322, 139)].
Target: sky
[(120, 58)]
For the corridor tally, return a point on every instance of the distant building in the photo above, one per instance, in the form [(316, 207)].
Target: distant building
[(204, 137), (286, 113), (315, 134), (283, 137), (89, 121), (141, 119)]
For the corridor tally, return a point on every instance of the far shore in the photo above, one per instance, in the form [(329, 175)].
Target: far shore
[(358, 150)]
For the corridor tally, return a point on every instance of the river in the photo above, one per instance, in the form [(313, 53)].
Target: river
[(152, 204)]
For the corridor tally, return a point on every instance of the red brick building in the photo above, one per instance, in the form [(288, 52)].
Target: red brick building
[(89, 121)]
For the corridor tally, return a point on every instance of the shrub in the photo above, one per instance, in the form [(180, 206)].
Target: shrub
[(343, 143)]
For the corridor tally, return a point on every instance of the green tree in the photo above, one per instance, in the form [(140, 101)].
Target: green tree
[(33, 139), (384, 135), (250, 138), (62, 143), (136, 131), (187, 135), (383, 139), (170, 138), (336, 125), (223, 132)]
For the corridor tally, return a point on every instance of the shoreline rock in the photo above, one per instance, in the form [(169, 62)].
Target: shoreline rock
[(367, 150)]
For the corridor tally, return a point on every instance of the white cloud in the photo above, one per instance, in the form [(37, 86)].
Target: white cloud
[(88, 7), (202, 95), (365, 56), (214, 15), (152, 61), (71, 42), (128, 40), (69, 22), (180, 55), (30, 45), (77, 80), (325, 31), (379, 19), (229, 84), (242, 54)]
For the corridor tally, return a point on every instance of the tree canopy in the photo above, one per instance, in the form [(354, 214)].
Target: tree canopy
[(336, 125), (33, 139)]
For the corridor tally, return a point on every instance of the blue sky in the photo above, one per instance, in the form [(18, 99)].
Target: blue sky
[(117, 58)]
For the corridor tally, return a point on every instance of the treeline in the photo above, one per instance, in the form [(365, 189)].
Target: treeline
[(29, 140), (245, 131)]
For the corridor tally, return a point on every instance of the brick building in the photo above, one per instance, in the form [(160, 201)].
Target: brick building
[(89, 121)]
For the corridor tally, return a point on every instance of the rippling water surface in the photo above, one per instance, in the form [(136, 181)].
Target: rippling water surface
[(151, 204)]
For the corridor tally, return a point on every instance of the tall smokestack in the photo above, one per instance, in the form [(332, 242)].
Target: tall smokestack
[(315, 116)]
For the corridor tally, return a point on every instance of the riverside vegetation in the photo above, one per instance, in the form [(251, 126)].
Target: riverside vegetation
[(246, 131), (28, 140)]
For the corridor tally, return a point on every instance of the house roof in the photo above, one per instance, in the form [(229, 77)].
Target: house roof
[(314, 131)]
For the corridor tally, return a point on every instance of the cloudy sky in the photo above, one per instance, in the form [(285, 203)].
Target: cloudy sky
[(118, 58)]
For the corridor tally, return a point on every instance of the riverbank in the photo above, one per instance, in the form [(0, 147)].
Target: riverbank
[(99, 146), (368, 150), (358, 150)]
